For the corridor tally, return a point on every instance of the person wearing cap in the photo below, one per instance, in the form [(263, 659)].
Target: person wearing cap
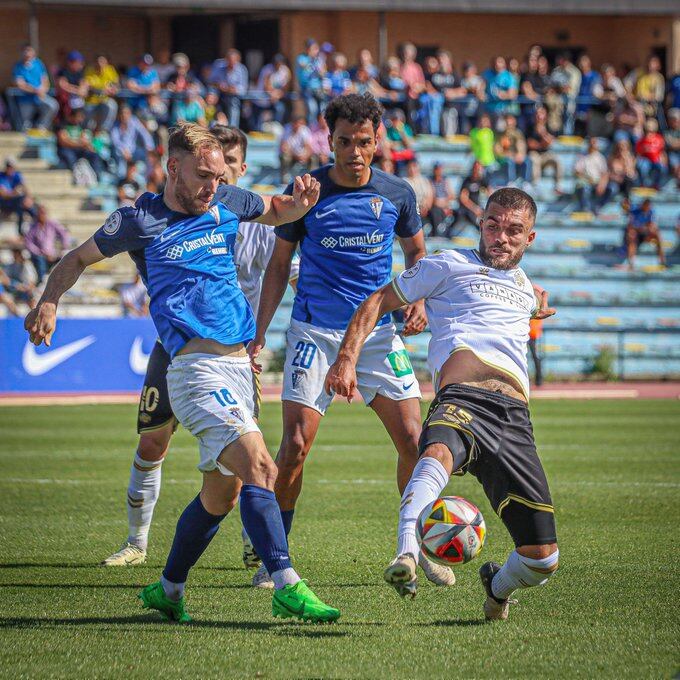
[(183, 77), (274, 82), (310, 68), (651, 156), (71, 86), (143, 81), (14, 196), (230, 77), (29, 76), (103, 84)]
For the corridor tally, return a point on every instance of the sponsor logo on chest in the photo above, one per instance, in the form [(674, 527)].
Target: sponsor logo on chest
[(214, 241), (497, 292)]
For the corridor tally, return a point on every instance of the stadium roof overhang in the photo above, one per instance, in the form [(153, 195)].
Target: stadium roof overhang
[(607, 7)]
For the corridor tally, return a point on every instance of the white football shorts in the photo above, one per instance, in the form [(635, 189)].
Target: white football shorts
[(384, 366), (214, 398)]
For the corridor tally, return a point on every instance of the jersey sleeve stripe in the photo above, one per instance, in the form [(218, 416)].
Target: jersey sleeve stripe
[(399, 293)]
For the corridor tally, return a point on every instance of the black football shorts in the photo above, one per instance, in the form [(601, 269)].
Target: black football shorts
[(490, 435)]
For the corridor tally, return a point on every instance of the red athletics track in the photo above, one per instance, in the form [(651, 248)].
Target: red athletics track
[(616, 390)]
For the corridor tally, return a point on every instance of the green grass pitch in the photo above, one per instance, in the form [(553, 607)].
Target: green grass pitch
[(611, 610)]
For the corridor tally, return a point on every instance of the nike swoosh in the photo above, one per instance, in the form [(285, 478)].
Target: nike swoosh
[(138, 358), (38, 364), (319, 215), (406, 387), (165, 237)]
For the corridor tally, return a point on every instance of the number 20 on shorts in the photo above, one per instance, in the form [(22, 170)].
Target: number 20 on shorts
[(305, 352)]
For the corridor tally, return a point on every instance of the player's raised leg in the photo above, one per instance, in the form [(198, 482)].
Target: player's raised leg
[(386, 381)]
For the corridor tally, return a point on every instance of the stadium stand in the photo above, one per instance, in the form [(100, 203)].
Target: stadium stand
[(605, 308)]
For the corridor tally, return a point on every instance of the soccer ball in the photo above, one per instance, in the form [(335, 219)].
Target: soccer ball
[(450, 530)]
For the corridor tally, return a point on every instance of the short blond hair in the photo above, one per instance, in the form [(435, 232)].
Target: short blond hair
[(191, 138)]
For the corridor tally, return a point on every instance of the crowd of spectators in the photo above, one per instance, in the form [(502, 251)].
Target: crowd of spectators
[(113, 120)]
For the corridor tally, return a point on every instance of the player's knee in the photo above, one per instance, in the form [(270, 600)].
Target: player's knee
[(441, 453), (153, 446), (293, 452), (539, 563), (262, 471)]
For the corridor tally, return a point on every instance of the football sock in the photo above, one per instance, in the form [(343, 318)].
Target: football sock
[(285, 577), (142, 494), (523, 572), (173, 591), (195, 529), (262, 521), (287, 517), (427, 481)]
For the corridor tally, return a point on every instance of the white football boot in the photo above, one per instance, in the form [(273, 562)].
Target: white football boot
[(401, 574), (128, 555), (495, 609), (262, 579), (436, 573)]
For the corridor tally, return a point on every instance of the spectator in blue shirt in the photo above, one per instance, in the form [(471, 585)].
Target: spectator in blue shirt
[(642, 228), (14, 197), (310, 68), (337, 81), (674, 91), (501, 88), (143, 81), (30, 76), (130, 140), (590, 88), (230, 77)]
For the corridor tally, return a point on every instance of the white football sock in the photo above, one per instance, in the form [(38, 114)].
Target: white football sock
[(173, 591), (142, 494), (427, 481), (285, 577), (523, 572)]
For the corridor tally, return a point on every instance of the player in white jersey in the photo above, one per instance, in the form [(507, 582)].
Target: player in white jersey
[(478, 306), (156, 421)]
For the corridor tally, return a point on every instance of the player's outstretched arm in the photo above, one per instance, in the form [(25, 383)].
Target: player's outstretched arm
[(415, 319), (273, 286), (41, 321), (341, 377), (283, 209)]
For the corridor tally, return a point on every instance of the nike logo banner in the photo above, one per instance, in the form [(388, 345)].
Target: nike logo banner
[(87, 356)]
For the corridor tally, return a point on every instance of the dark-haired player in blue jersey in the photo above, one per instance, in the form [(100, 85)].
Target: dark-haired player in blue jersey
[(346, 252), (182, 243)]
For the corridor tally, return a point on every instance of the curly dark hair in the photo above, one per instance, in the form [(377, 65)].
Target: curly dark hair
[(354, 108), (229, 136)]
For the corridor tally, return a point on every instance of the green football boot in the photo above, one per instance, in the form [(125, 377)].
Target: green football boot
[(154, 597), (299, 601)]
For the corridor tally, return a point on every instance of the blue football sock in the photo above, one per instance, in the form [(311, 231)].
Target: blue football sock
[(287, 517), (262, 520), (195, 529)]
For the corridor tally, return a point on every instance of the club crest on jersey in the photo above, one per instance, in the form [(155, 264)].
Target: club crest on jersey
[(297, 377), (519, 279), (215, 212), (377, 206), (112, 224)]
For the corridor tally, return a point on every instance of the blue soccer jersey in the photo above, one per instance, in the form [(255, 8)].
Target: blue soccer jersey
[(187, 265), (346, 245)]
